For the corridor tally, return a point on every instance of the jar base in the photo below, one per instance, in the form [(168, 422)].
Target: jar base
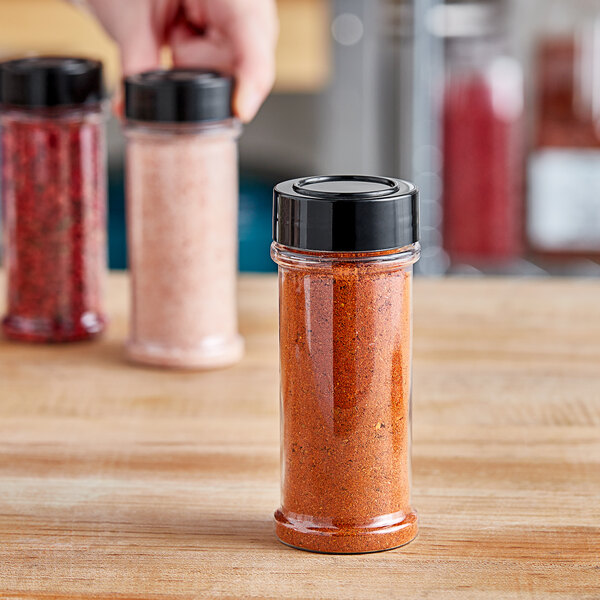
[(24, 329), (212, 357), (351, 540)]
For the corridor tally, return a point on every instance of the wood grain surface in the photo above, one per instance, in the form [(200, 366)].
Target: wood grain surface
[(125, 482)]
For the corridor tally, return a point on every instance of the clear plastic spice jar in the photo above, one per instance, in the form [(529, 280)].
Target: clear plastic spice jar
[(54, 197), (182, 199), (482, 129), (345, 246)]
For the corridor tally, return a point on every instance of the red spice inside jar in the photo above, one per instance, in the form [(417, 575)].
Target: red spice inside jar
[(482, 197), (345, 351), (54, 198)]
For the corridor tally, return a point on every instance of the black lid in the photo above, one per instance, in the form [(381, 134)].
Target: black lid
[(178, 95), (45, 81), (345, 213)]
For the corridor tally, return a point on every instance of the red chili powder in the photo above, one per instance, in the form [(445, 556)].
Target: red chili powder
[(482, 196), (54, 197), (345, 344)]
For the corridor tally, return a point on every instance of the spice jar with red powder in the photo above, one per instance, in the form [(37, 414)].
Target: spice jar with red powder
[(54, 197), (182, 198), (345, 246), (482, 108)]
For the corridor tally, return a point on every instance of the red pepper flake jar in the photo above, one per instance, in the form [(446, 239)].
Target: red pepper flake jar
[(345, 246), (182, 199), (54, 197)]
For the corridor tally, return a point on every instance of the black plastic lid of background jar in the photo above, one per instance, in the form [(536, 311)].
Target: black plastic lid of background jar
[(178, 95), (345, 213), (47, 81)]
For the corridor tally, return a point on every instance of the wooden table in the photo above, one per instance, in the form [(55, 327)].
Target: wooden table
[(125, 482)]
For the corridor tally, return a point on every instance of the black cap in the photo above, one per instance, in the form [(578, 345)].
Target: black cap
[(178, 95), (46, 81), (345, 213)]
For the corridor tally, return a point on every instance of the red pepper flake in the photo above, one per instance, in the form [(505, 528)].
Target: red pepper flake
[(54, 196)]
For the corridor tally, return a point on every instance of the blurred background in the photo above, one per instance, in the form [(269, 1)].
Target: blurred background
[(491, 106)]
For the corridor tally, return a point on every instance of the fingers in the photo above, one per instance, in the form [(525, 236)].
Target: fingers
[(254, 65), (139, 53), (234, 36), (134, 29), (210, 51), (252, 31)]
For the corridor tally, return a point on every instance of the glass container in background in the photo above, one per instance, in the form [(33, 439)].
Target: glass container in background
[(54, 197), (345, 247), (425, 52), (482, 105), (564, 166), (182, 200)]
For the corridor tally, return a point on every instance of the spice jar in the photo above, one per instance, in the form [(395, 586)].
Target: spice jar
[(482, 129), (54, 197), (562, 218), (345, 246), (182, 190)]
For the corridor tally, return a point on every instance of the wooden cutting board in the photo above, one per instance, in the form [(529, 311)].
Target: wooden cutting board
[(125, 482)]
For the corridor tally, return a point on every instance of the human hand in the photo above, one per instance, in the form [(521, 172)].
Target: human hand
[(233, 36)]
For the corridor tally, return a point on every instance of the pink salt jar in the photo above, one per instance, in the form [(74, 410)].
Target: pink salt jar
[(182, 202)]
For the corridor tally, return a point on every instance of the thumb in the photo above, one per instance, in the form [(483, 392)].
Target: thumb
[(139, 52), (254, 69), (131, 25)]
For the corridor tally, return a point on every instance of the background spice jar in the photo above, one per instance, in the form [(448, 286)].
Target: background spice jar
[(345, 247), (182, 193), (54, 197), (482, 107)]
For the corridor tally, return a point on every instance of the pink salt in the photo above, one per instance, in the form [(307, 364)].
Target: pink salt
[(182, 230)]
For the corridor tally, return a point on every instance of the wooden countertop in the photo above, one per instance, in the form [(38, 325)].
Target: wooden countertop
[(126, 482)]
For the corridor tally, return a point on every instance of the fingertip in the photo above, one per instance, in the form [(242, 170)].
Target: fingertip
[(143, 55), (253, 87)]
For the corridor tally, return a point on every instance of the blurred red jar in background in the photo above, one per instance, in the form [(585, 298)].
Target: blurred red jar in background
[(482, 106)]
